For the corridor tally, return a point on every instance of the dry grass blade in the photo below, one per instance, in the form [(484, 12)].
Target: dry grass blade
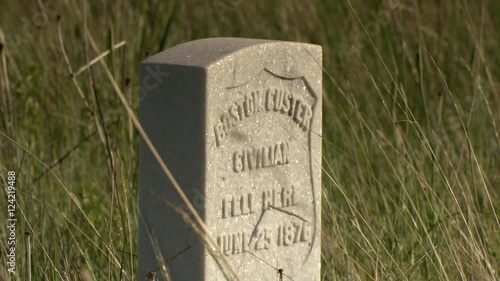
[(70, 69), (97, 59)]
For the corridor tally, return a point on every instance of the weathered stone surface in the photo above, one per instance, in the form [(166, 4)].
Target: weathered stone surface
[(238, 121)]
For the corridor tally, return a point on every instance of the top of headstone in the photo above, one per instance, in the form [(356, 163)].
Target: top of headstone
[(204, 52)]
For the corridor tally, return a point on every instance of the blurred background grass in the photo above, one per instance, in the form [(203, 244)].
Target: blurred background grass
[(411, 149)]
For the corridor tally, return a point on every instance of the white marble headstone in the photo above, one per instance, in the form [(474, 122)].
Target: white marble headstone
[(238, 121)]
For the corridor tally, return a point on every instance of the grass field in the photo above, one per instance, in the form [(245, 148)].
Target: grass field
[(411, 138)]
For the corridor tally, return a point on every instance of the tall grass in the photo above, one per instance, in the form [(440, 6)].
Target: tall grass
[(411, 146)]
